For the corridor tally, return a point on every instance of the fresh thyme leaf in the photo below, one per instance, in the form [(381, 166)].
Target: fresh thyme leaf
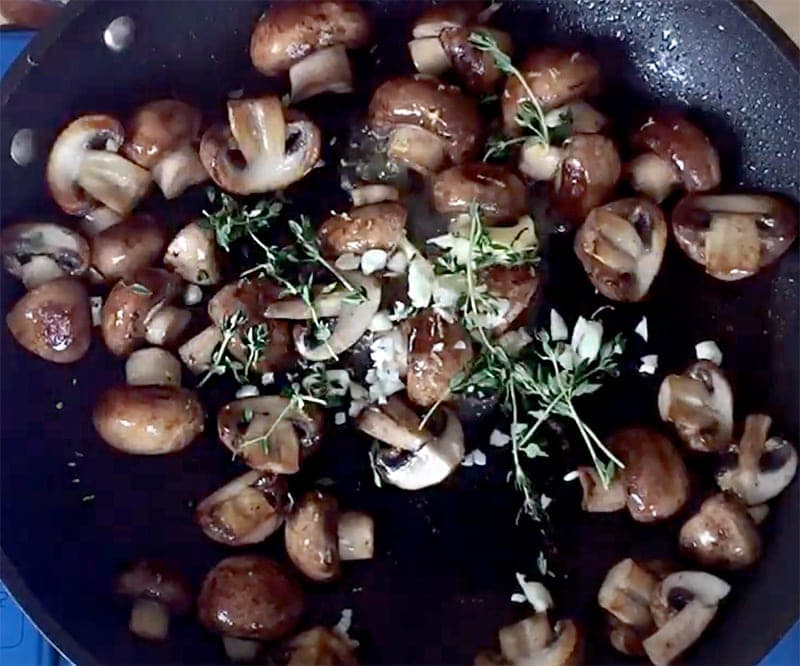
[(232, 220), (498, 147), (563, 130), (140, 289), (221, 361)]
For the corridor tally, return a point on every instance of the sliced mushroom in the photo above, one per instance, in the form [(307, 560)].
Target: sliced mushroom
[(152, 366), (197, 352), (53, 321), (676, 152), (310, 41), (626, 593), (122, 250), (193, 255), (311, 536), (763, 467), (683, 606), (353, 321), (555, 76), (36, 252), (429, 123), (395, 424), (500, 194), (515, 286), (379, 226), (269, 433), (699, 404), (722, 535), (621, 246), (157, 592), (734, 235), (318, 646), (533, 641), (429, 465), (244, 511), (148, 420), (84, 168), (264, 147)]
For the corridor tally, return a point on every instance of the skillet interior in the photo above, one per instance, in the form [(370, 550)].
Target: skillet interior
[(440, 587)]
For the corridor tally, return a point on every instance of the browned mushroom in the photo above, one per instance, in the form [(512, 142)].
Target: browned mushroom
[(394, 423), (148, 420), (675, 153), (53, 321), (310, 40), (438, 350), (534, 641), (721, 535), (262, 149), (197, 352), (157, 592), (269, 433), (515, 286), (380, 226), (318, 646), (476, 68), (249, 598), (699, 404), (621, 246), (244, 511), (499, 192), (734, 235), (193, 255), (555, 76), (36, 252), (311, 536), (120, 251), (162, 137), (84, 168), (429, 123)]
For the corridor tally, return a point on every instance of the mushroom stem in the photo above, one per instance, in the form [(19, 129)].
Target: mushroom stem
[(356, 532), (112, 180), (419, 149), (540, 161), (429, 56), (365, 195), (149, 620), (653, 176), (178, 171), (679, 633), (240, 650), (326, 70), (166, 325)]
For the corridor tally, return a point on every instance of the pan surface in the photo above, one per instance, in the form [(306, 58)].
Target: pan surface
[(440, 585)]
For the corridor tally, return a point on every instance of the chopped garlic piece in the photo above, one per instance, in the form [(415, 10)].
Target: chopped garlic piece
[(558, 327), (398, 263), (267, 378), (649, 364), (348, 262), (586, 338), (340, 418), (708, 350), (192, 295), (571, 476), (498, 438), (247, 391), (536, 594), (641, 329), (373, 260), (420, 282), (380, 322), (479, 458)]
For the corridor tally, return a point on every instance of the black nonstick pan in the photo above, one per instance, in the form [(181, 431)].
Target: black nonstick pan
[(440, 586)]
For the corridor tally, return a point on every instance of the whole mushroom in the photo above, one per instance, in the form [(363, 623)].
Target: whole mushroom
[(53, 321), (310, 41), (380, 226), (125, 248), (500, 194), (263, 148), (157, 592), (429, 124), (734, 235), (620, 246)]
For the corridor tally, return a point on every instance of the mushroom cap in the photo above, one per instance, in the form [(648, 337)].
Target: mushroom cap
[(684, 145), (734, 235), (500, 193), (148, 579), (380, 226), (158, 128), (311, 536), (555, 76), (53, 321), (35, 252), (249, 596), (193, 255), (476, 68), (289, 31), (621, 246), (440, 109), (655, 476), (721, 535), (125, 248), (148, 420)]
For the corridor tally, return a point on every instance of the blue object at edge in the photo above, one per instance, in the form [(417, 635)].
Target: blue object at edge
[(20, 642)]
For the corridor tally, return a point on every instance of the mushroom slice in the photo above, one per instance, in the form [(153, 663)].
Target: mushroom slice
[(123, 249), (563, 649), (500, 194), (763, 467), (244, 511), (734, 235), (678, 143), (193, 255), (318, 646), (520, 640), (395, 424), (683, 605), (83, 168), (596, 498), (53, 321), (429, 465), (311, 536), (356, 534), (555, 76), (310, 41), (296, 309), (587, 176), (422, 116), (269, 432), (352, 323), (36, 252), (277, 147), (380, 226), (721, 535), (699, 403), (621, 246), (626, 592)]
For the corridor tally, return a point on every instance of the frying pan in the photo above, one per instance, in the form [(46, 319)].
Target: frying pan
[(439, 587)]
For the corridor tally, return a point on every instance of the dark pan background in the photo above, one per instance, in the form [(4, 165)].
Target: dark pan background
[(439, 587)]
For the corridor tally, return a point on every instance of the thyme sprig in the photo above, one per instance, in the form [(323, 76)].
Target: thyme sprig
[(232, 220), (255, 341)]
